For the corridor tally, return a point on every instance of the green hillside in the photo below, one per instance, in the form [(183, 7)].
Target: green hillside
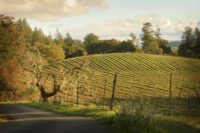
[(138, 75)]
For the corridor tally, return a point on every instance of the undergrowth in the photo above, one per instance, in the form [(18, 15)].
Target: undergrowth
[(139, 120)]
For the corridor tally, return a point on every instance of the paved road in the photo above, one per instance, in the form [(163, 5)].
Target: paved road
[(23, 119)]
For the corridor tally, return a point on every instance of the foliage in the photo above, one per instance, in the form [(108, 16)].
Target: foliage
[(59, 40), (122, 122), (11, 82), (90, 39), (197, 42), (190, 43), (135, 40), (68, 40), (187, 43), (110, 46), (10, 39), (11, 47), (126, 46), (38, 36), (26, 30), (152, 41), (74, 51), (142, 119), (147, 37), (164, 45), (50, 52), (49, 40)]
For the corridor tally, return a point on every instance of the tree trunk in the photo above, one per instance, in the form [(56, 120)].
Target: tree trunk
[(45, 99), (46, 95)]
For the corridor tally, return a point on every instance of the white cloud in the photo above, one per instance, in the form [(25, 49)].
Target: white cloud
[(121, 28), (48, 9)]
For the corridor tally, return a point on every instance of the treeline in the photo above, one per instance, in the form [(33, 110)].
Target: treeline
[(95, 46), (151, 43), (61, 47), (190, 43), (52, 49)]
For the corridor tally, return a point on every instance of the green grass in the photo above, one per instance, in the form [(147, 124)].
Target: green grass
[(129, 124), (103, 116), (14, 102), (123, 123), (81, 110)]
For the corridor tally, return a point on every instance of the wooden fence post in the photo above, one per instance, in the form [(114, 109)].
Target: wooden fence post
[(113, 92), (104, 93), (60, 99), (170, 91), (77, 98), (188, 102), (54, 99)]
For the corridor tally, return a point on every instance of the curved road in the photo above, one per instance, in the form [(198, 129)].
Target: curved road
[(24, 119)]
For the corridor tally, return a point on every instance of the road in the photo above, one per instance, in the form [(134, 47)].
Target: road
[(24, 119)]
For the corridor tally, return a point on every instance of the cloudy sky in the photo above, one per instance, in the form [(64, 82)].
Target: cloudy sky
[(106, 18)]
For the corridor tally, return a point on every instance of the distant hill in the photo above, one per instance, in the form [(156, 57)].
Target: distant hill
[(174, 43)]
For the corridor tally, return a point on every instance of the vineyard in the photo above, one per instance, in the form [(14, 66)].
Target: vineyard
[(162, 82)]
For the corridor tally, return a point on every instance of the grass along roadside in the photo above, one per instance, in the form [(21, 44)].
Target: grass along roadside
[(123, 122), (104, 116)]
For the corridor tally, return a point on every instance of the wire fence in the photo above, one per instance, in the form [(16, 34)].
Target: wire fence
[(171, 92), (168, 92)]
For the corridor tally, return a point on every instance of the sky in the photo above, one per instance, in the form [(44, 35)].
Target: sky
[(106, 18)]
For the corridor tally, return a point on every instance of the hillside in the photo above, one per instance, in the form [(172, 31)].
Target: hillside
[(139, 74), (128, 62)]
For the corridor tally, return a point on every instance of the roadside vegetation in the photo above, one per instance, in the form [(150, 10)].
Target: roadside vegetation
[(124, 121)]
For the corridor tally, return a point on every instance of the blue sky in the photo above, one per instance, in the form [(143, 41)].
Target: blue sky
[(107, 18)]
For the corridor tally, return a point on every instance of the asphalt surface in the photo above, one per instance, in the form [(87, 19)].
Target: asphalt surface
[(23, 119)]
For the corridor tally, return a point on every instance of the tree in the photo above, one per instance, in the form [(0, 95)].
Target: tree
[(38, 36), (162, 43), (74, 51), (147, 37), (154, 47), (59, 40), (134, 39), (187, 44), (68, 40), (90, 38), (126, 46), (11, 47), (68, 77), (26, 30), (50, 52), (56, 53), (11, 82), (49, 40), (197, 42), (157, 33), (21, 64), (133, 36)]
